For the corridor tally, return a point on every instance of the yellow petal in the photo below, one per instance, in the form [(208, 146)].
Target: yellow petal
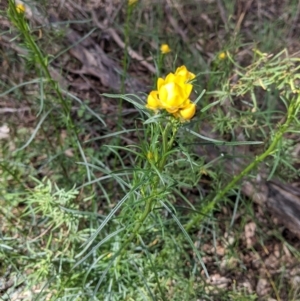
[(182, 71), (186, 90), (166, 93), (153, 102), (188, 112), (172, 110), (160, 83), (185, 104), (170, 78)]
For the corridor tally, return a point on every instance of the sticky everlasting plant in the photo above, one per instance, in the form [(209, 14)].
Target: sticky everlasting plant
[(153, 185), (173, 98)]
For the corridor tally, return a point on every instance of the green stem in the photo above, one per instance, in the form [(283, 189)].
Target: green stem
[(23, 27), (138, 225), (166, 146), (125, 62), (292, 111)]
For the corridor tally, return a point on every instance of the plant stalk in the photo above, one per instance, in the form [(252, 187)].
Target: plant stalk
[(291, 114)]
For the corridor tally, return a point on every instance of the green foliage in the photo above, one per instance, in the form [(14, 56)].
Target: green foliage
[(92, 212)]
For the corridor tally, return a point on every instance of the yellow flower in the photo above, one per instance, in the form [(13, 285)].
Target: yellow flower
[(173, 94), (131, 2), (222, 55), (164, 48), (20, 8)]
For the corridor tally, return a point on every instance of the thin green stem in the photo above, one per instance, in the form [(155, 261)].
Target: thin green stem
[(140, 222), (124, 62), (166, 146), (42, 61), (292, 111)]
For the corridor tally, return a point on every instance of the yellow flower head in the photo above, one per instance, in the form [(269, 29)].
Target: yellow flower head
[(20, 8), (173, 94), (222, 55), (131, 2), (164, 48)]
